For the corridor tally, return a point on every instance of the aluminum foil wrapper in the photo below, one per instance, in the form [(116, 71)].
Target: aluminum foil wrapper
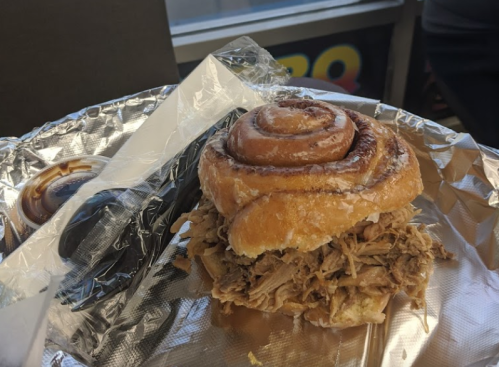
[(97, 130), (165, 317)]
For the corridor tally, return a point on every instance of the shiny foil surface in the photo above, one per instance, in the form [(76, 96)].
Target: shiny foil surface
[(166, 317), (97, 130)]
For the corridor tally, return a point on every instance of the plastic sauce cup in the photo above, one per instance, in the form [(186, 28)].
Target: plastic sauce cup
[(50, 188)]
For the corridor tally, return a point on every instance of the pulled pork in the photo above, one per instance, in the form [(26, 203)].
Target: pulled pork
[(346, 282)]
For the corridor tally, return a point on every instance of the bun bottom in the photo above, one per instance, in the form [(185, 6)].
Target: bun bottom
[(366, 309)]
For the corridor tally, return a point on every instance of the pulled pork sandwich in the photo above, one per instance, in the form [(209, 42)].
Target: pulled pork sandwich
[(305, 211)]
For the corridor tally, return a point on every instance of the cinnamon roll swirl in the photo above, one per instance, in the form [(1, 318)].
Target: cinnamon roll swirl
[(297, 173)]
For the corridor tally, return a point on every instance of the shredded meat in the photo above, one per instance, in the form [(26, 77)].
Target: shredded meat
[(366, 264)]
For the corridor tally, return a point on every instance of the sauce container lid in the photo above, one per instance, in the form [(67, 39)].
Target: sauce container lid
[(50, 188)]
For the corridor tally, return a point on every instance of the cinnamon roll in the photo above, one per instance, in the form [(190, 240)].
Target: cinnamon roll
[(305, 211), (299, 172)]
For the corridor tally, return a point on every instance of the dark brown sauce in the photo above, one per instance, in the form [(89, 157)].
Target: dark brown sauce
[(53, 187)]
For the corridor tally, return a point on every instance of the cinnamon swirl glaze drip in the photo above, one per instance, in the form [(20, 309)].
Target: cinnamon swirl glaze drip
[(273, 206), (291, 133)]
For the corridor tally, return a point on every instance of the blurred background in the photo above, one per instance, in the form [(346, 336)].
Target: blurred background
[(60, 57)]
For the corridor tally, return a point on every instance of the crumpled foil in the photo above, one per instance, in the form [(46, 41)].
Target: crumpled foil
[(97, 130), (169, 319)]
